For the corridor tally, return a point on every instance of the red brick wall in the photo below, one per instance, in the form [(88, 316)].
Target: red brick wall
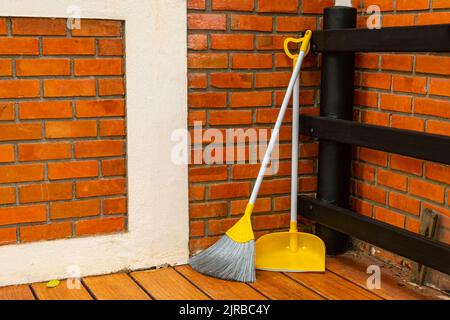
[(237, 77), (62, 129)]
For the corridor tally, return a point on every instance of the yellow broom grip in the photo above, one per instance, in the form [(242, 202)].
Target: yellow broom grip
[(306, 40)]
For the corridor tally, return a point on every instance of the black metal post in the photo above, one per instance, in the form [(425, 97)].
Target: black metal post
[(336, 101)]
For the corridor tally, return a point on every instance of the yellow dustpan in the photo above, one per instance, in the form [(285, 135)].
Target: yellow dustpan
[(292, 251)]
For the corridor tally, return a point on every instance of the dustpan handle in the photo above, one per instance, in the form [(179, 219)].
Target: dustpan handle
[(276, 129), (295, 153)]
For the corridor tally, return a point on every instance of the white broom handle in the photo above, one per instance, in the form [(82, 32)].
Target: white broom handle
[(276, 129), (295, 143)]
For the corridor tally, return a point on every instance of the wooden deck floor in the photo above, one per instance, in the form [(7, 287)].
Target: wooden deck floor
[(345, 279)]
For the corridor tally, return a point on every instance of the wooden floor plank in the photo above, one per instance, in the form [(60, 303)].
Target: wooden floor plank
[(61, 292), (167, 284), (16, 293), (220, 289), (115, 287), (355, 271), (278, 286), (332, 286)]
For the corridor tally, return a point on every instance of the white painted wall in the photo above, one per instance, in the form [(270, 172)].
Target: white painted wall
[(156, 105), (347, 3)]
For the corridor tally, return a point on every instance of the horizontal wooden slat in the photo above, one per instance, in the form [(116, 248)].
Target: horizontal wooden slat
[(61, 292), (16, 293), (278, 286), (332, 286), (115, 287), (220, 289), (167, 284)]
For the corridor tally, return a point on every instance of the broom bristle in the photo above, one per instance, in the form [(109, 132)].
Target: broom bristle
[(228, 260)]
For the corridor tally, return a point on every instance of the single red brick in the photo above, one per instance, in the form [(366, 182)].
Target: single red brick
[(197, 228), (7, 153), (69, 88), (403, 5), (232, 41), (210, 173), (362, 207), (428, 18), (3, 27), (251, 22), (46, 232), (7, 195), (197, 42), (111, 87), (100, 108), (112, 128), (395, 102), (433, 64), (426, 190), (295, 24), (404, 203), (384, 5), (231, 80), (206, 21), (95, 188), (100, 226), (115, 206), (196, 193), (38, 26), (265, 222), (373, 156), (45, 192), (433, 107), (230, 117), (8, 236), (74, 209), (229, 190), (251, 61), (114, 167), (251, 99), (110, 47), (272, 79), (363, 171), (440, 4), (390, 217), (68, 46), (288, 6), (316, 6), (270, 42), (275, 186), (437, 172), (5, 68), (19, 89), (367, 60), (271, 115), (104, 148), (409, 84), (438, 127), (241, 5), (19, 46), (375, 118), (207, 210), (207, 100), (197, 80), (399, 62), (377, 80), (20, 131), (22, 214), (207, 60), (71, 129), (392, 180), (196, 116), (98, 67), (196, 4), (261, 205), (98, 28), (406, 164), (408, 123), (45, 110), (6, 111), (70, 170), (44, 151), (439, 87), (396, 20), (366, 98)]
